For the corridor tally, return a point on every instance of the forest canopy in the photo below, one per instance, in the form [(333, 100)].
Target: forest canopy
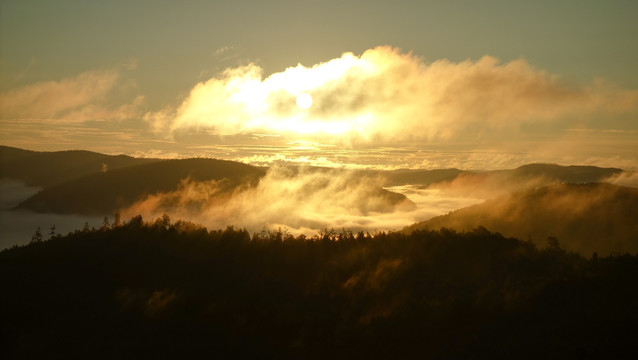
[(166, 289)]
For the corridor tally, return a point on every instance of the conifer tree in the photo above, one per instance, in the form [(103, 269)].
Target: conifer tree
[(52, 233), (37, 236)]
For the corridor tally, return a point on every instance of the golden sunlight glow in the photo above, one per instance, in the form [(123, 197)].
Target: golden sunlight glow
[(309, 127), (384, 95), (304, 100), (242, 101)]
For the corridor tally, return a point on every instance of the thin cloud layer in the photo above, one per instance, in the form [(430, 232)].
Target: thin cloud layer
[(388, 95), (71, 100)]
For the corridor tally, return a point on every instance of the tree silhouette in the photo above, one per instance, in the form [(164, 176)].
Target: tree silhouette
[(52, 233), (552, 243), (105, 223), (37, 236)]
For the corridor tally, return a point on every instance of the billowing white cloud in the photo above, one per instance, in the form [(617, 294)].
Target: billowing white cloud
[(388, 95), (477, 114)]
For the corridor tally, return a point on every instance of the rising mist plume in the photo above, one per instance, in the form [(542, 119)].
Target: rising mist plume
[(302, 200)]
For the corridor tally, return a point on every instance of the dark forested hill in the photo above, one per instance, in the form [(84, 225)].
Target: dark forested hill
[(162, 290), (48, 168), (418, 177), (570, 174), (103, 193), (190, 184), (587, 218)]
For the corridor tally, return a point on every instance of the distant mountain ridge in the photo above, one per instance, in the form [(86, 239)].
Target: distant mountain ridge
[(83, 182), (541, 173), (487, 184), (49, 168), (44, 169), (586, 218), (570, 173), (419, 177), (106, 192)]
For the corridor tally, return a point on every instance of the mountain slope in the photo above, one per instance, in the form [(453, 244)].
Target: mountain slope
[(493, 181), (189, 184), (586, 218), (487, 184), (49, 168), (419, 177), (105, 192), (570, 174)]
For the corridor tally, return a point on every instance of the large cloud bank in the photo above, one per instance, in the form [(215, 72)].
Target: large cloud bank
[(385, 94)]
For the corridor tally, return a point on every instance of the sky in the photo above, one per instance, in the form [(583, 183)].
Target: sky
[(393, 84)]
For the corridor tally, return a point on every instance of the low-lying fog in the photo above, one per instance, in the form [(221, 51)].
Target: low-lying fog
[(17, 227), (277, 202), (301, 202)]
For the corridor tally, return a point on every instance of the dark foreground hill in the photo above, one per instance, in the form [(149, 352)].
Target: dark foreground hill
[(586, 218), (44, 169), (163, 290), (104, 193)]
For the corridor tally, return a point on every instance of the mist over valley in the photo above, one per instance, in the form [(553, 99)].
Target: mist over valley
[(534, 201)]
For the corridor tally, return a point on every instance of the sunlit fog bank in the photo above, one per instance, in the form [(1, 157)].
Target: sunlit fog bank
[(302, 201), (627, 178)]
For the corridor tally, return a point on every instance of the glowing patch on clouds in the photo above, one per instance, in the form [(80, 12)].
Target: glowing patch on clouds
[(304, 101), (242, 101), (384, 94)]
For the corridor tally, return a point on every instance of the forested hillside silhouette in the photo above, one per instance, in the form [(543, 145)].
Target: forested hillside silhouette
[(570, 174), (586, 218), (106, 192), (503, 180), (167, 289), (48, 168), (415, 176), (44, 169)]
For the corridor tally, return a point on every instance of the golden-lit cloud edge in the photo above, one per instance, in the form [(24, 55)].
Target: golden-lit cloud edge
[(473, 114), (387, 95), (73, 100)]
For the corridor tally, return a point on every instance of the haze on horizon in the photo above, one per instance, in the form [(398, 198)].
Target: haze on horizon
[(416, 84)]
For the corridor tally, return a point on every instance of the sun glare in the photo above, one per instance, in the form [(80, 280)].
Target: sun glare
[(248, 103), (304, 101)]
